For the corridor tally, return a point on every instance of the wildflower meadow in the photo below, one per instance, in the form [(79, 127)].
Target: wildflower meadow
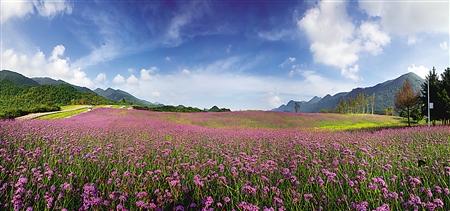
[(116, 159)]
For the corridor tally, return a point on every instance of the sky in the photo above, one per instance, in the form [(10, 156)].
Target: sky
[(238, 54)]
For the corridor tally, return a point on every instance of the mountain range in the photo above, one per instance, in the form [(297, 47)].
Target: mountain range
[(110, 94), (384, 96), (117, 95)]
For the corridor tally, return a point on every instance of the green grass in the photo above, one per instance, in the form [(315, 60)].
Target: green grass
[(65, 114), (275, 120), (113, 106), (361, 121), (72, 110), (72, 107)]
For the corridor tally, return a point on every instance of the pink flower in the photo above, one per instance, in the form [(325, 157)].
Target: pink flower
[(208, 201), (384, 207), (198, 181), (248, 206), (362, 206), (307, 196), (226, 199), (141, 195), (249, 189)]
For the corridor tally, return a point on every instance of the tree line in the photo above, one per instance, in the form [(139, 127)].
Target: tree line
[(361, 104), (415, 105)]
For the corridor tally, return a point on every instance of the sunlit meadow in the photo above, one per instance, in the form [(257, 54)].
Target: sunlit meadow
[(110, 159)]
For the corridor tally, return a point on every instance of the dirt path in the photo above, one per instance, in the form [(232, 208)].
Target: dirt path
[(37, 115)]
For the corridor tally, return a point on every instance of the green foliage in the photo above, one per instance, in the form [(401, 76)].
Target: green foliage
[(217, 109), (125, 98), (389, 111), (180, 108), (407, 101), (16, 78), (169, 108), (361, 104), (16, 100), (439, 96)]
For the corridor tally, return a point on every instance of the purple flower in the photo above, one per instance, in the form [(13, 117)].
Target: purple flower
[(248, 189), (248, 206), (361, 206), (384, 207), (208, 201), (198, 180), (307, 196)]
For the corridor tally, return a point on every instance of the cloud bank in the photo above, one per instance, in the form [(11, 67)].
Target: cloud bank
[(11, 9), (54, 65), (336, 41)]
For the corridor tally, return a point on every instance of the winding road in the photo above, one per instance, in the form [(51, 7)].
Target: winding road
[(37, 115)]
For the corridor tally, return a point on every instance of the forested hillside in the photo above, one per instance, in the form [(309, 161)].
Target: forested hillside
[(17, 100)]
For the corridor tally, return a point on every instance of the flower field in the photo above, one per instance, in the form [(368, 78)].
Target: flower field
[(110, 159)]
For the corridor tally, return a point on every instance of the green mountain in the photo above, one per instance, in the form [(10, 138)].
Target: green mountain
[(16, 78), (50, 81), (20, 95), (384, 96), (120, 95)]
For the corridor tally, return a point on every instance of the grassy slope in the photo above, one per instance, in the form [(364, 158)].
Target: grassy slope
[(275, 120), (64, 114), (256, 119), (72, 110)]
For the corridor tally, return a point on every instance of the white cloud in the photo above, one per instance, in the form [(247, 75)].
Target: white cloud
[(274, 100), (132, 80), (336, 41), (105, 52), (228, 49), (276, 35), (412, 40), (50, 8), (57, 52), (10, 9), (101, 78), (288, 61), (146, 73), (118, 79), (155, 94), (168, 59), (443, 45), (39, 65), (410, 17), (351, 72), (206, 87), (186, 71), (18, 9), (373, 39), (420, 70), (192, 11)]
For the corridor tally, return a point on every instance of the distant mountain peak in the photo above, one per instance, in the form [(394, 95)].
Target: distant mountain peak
[(17, 78), (315, 99), (117, 95), (384, 95)]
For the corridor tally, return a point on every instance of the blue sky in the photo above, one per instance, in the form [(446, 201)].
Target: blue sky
[(235, 54)]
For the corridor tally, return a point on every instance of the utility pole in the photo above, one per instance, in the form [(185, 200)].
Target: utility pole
[(428, 106)]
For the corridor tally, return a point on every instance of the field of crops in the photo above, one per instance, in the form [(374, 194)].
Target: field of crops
[(129, 160)]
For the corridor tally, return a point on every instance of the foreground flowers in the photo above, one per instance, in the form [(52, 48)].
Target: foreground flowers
[(116, 159)]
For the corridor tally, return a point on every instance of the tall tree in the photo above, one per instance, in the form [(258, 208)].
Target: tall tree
[(444, 95), (406, 100), (433, 79)]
